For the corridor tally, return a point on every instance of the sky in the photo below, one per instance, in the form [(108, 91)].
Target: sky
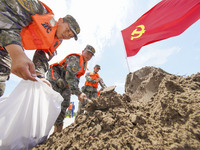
[(101, 22)]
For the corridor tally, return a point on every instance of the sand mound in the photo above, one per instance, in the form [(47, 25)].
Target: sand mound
[(157, 111)]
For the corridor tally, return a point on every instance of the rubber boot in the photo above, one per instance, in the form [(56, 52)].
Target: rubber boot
[(58, 128)]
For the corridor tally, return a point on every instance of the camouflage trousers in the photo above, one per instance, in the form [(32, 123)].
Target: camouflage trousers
[(69, 112), (64, 92), (5, 65), (80, 110), (89, 94)]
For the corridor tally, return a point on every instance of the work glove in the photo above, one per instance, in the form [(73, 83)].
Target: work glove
[(60, 83), (82, 97)]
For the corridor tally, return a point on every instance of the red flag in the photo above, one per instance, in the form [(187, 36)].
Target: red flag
[(166, 19)]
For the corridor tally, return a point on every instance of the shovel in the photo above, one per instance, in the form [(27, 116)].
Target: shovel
[(94, 102), (109, 89), (106, 89)]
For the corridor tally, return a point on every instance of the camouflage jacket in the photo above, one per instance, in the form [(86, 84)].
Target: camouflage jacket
[(68, 74), (91, 88), (15, 15)]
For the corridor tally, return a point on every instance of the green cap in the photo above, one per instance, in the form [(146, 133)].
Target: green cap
[(98, 66), (73, 25), (90, 49)]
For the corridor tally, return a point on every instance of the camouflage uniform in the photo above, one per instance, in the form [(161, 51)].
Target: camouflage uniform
[(42, 58), (5, 64), (66, 83), (90, 91), (14, 15)]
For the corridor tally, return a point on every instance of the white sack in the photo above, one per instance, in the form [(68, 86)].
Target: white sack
[(27, 115)]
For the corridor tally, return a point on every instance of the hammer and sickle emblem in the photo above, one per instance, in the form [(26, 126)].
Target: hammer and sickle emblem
[(138, 33)]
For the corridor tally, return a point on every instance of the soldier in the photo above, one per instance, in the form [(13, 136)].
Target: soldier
[(91, 86), (30, 24), (69, 111), (64, 77)]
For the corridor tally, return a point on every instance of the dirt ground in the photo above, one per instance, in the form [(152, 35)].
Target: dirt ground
[(158, 111)]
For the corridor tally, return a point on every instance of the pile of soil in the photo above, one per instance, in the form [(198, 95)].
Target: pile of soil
[(157, 111)]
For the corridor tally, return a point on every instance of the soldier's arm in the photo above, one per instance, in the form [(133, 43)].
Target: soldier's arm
[(21, 65), (89, 79), (41, 59), (32, 6), (102, 84), (70, 77), (10, 39)]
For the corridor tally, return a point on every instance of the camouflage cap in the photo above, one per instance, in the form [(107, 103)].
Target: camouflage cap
[(90, 49), (73, 25), (97, 66)]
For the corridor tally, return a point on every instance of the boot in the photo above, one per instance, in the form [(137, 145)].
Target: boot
[(58, 128)]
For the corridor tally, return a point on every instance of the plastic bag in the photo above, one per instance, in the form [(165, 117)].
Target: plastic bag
[(27, 115)]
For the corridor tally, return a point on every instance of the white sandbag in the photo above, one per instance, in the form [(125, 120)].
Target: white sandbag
[(27, 115)]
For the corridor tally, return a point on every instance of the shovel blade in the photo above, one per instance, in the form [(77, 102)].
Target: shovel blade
[(109, 88)]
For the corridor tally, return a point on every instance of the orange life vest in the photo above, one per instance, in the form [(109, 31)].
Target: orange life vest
[(70, 107), (98, 92), (94, 76), (63, 63), (40, 34)]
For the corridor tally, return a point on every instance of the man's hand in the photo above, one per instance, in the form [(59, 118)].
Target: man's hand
[(82, 97), (99, 79), (21, 65), (46, 81)]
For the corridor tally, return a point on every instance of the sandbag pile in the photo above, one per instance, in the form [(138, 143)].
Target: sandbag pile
[(157, 111)]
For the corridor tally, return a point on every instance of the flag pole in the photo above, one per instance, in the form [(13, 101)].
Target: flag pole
[(125, 55), (126, 59), (127, 64)]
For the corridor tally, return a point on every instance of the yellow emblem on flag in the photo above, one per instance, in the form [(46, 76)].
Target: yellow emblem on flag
[(137, 32)]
